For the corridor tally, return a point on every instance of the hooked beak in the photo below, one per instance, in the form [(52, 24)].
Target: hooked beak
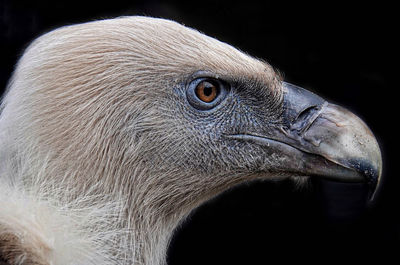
[(321, 139)]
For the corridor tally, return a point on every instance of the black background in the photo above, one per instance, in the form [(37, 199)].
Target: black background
[(344, 53)]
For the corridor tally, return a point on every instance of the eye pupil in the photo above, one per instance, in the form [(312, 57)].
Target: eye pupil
[(207, 91)]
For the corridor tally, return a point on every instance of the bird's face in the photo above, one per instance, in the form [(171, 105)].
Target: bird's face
[(231, 118), (200, 115), (234, 128)]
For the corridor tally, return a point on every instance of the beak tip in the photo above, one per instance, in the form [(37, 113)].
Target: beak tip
[(372, 173), (375, 186)]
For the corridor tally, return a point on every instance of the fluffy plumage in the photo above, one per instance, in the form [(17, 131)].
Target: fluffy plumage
[(93, 150), (101, 154)]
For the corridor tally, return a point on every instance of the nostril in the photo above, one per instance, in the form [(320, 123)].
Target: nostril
[(305, 113), (305, 118)]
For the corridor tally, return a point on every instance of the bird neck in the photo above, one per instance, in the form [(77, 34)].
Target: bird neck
[(156, 209), (151, 240), (150, 213)]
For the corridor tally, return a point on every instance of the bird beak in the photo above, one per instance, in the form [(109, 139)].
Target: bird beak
[(323, 130), (320, 139)]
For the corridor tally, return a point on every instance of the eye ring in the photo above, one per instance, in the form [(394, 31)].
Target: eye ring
[(206, 93)]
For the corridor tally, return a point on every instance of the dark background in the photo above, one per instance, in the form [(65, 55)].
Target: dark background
[(344, 53)]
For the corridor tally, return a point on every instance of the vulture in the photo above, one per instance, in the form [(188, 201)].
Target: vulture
[(113, 131)]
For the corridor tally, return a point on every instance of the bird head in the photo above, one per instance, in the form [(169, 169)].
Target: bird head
[(172, 117)]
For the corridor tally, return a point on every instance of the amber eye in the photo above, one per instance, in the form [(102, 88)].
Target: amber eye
[(206, 91)]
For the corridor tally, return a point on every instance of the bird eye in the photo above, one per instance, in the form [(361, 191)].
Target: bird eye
[(206, 93)]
